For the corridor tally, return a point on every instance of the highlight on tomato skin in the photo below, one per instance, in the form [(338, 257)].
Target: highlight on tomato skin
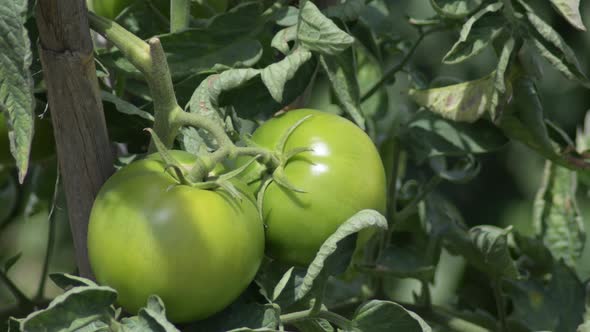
[(197, 249), (341, 175)]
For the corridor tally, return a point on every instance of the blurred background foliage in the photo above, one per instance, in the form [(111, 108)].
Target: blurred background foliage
[(502, 194)]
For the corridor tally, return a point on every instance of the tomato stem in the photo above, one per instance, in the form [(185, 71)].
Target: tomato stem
[(179, 15), (150, 59), (226, 150)]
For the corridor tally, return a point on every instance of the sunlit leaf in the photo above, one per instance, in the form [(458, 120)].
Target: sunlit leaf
[(570, 10)]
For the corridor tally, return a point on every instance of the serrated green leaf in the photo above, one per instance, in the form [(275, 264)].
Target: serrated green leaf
[(342, 76), (205, 102), (429, 135), (492, 243), (385, 316), (484, 247), (570, 10), (477, 33), (279, 73), (66, 281), (557, 217), (281, 40), (461, 171), (16, 82), (554, 303), (318, 33), (314, 325), (230, 39), (466, 101), (349, 10), (333, 246), (499, 95), (125, 107), (554, 49), (79, 308), (287, 16), (240, 316), (150, 318), (454, 9)]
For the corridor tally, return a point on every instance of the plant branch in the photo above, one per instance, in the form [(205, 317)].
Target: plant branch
[(134, 49), (50, 241), (439, 316), (500, 304), (389, 74), (179, 15), (21, 298), (165, 104)]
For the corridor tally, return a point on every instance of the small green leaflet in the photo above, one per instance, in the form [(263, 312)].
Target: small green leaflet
[(466, 101), (570, 10), (279, 73), (349, 10), (554, 49), (342, 77), (318, 33), (454, 9), (17, 102), (282, 38), (385, 316), (125, 107), (500, 91), (556, 215), (477, 33)]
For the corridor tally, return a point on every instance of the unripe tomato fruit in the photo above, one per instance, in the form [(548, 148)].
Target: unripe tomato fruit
[(341, 176), (42, 147), (196, 249)]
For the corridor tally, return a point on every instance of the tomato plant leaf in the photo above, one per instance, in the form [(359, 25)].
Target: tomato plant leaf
[(485, 247), (230, 40), (338, 244), (461, 171), (500, 93), (454, 9), (477, 33), (125, 107), (347, 11), (150, 318), (287, 16), (281, 284), (241, 315), (382, 316), (276, 75), (535, 250), (570, 10), (282, 38), (585, 326), (557, 217), (492, 243), (342, 77), (80, 307), (403, 262), (429, 135), (67, 281), (319, 34), (548, 304), (17, 102), (554, 49), (205, 101), (314, 325), (466, 101)]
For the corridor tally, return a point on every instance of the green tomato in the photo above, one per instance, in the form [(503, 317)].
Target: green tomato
[(108, 8), (42, 147), (341, 176), (197, 249)]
